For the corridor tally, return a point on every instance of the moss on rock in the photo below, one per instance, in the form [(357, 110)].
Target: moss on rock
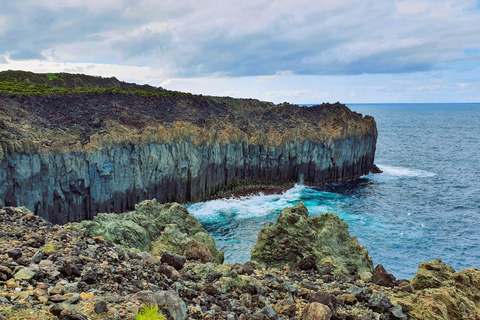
[(151, 227), (324, 238), (441, 293)]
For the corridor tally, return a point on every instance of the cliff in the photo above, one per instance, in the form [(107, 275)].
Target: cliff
[(72, 149)]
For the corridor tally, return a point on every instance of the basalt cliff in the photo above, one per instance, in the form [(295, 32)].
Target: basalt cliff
[(74, 145)]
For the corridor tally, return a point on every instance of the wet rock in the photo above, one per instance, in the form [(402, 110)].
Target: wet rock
[(175, 260), (323, 238), (381, 277), (316, 311), (375, 169)]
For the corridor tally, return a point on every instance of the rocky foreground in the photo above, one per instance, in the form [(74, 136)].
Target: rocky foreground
[(49, 271)]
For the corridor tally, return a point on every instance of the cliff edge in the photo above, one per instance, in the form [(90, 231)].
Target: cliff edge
[(74, 145)]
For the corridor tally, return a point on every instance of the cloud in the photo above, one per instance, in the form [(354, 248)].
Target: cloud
[(269, 41)]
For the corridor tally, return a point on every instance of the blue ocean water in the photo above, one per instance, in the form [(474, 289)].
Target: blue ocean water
[(425, 205)]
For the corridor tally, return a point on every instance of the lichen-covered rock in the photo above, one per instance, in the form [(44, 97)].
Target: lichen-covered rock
[(324, 238), (431, 274), (441, 293), (151, 227)]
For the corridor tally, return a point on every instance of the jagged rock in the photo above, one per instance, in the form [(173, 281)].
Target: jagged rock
[(441, 293), (197, 251), (431, 274), (326, 299), (175, 260), (324, 238), (269, 312), (381, 277), (379, 302), (25, 274), (398, 313), (152, 227)]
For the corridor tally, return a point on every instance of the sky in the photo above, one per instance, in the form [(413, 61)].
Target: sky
[(303, 51)]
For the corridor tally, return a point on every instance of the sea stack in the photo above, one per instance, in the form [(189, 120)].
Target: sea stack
[(74, 145)]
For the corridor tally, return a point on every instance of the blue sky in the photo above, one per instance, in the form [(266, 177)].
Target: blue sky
[(297, 51)]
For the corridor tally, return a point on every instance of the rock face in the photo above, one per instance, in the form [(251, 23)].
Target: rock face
[(155, 228), (441, 293), (324, 238), (67, 157)]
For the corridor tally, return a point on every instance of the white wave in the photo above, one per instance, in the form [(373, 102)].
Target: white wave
[(405, 172), (246, 207)]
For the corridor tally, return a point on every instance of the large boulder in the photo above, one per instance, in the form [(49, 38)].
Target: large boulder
[(323, 238), (441, 293), (151, 227)]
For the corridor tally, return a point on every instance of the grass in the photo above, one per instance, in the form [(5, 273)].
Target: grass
[(48, 247), (149, 312), (22, 88)]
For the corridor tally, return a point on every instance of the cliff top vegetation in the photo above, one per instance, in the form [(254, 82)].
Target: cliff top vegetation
[(62, 112)]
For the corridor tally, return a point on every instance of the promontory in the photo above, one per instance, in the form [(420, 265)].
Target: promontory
[(74, 145)]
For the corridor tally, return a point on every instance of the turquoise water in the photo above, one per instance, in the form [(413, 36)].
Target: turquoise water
[(425, 205)]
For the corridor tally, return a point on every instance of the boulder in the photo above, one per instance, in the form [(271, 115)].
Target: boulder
[(441, 293), (316, 311), (324, 239), (431, 274), (152, 227), (175, 260), (381, 277)]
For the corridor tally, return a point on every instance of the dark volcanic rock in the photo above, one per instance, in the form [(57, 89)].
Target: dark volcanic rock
[(381, 277), (175, 260), (104, 152)]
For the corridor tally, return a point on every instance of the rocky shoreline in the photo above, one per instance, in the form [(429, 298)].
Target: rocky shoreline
[(49, 271)]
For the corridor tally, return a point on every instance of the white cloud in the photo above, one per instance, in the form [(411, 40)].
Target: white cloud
[(284, 48)]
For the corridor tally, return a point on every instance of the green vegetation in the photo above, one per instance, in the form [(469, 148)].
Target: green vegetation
[(22, 88), (53, 76), (149, 312), (48, 247)]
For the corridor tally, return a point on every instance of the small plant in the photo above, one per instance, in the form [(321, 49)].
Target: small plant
[(49, 247), (149, 312)]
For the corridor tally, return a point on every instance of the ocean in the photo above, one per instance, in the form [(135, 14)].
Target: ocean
[(425, 204)]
